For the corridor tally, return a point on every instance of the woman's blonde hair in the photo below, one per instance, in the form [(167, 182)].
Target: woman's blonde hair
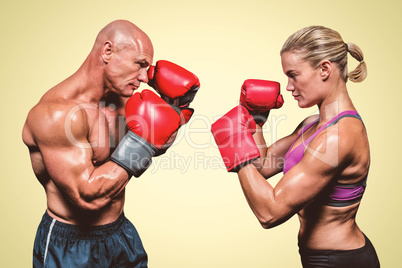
[(318, 43)]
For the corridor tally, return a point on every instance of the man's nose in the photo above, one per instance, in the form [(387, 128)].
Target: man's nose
[(143, 77)]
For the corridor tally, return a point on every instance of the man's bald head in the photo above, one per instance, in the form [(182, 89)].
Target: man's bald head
[(122, 33), (121, 55)]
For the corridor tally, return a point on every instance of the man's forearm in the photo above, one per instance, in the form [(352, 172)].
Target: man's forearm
[(103, 185)]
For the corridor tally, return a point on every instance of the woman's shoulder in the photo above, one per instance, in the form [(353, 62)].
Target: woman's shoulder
[(307, 121), (345, 140)]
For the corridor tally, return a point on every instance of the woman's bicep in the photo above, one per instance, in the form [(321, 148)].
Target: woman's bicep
[(274, 157), (272, 162), (321, 164)]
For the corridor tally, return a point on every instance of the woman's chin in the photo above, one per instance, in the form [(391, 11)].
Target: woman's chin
[(304, 105)]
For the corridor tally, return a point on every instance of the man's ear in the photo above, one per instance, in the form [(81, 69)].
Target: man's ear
[(325, 69), (107, 51)]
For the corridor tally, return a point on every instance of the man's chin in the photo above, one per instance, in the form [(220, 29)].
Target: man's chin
[(127, 95), (128, 92)]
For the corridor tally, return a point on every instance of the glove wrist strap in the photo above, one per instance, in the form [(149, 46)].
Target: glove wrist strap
[(134, 154)]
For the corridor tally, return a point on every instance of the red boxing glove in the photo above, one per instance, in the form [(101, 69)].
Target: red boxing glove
[(259, 97), (151, 123), (233, 135), (175, 84), (151, 118)]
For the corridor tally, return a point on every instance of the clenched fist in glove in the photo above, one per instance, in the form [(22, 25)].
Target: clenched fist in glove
[(175, 84), (151, 123), (259, 97), (233, 135)]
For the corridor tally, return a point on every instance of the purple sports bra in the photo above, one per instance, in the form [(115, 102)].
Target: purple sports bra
[(338, 195)]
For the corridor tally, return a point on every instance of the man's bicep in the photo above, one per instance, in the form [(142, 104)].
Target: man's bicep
[(66, 151), (68, 166)]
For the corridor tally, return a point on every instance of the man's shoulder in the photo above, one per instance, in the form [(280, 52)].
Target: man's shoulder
[(54, 110), (53, 119)]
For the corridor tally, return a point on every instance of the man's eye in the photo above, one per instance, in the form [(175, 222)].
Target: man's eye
[(142, 64)]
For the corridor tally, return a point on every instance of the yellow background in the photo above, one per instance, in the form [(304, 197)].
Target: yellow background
[(199, 217)]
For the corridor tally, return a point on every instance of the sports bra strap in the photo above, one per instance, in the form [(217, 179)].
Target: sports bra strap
[(347, 115), (333, 121)]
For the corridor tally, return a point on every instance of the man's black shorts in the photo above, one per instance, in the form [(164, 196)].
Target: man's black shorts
[(112, 245)]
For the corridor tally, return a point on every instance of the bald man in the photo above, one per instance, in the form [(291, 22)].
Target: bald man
[(71, 134)]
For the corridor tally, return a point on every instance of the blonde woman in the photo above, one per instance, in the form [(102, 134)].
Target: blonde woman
[(325, 160)]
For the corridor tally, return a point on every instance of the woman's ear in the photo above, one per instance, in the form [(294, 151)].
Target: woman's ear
[(325, 69)]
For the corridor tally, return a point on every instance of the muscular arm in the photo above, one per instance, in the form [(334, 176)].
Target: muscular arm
[(320, 164), (272, 157), (271, 160), (67, 156)]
